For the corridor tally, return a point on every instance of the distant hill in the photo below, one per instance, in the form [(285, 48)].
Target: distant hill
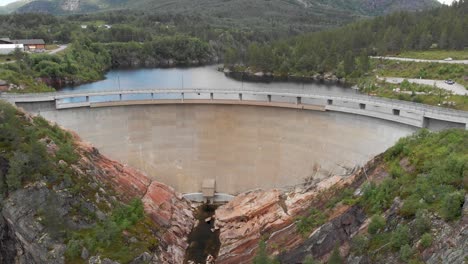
[(217, 7), (13, 6), (292, 16)]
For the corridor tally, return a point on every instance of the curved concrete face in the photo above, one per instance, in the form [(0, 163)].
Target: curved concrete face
[(242, 147)]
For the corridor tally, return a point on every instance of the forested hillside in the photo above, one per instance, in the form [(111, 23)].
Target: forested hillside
[(295, 15), (345, 50)]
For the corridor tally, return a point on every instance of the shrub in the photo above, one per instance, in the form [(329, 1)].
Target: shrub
[(422, 222), (306, 224), (335, 257), (400, 237), (406, 252), (359, 244), (426, 240), (262, 255), (73, 249), (411, 206), (67, 154), (377, 223), (451, 205)]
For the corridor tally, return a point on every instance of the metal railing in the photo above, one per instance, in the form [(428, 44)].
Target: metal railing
[(291, 92)]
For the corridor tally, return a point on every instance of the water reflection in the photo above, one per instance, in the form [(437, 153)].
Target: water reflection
[(206, 77)]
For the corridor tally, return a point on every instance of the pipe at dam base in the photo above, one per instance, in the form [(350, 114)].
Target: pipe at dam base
[(217, 198), (413, 114)]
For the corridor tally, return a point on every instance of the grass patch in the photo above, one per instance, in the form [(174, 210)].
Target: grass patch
[(6, 58), (424, 70), (52, 47), (435, 54)]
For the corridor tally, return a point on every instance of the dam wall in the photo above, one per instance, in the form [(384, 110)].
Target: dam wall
[(413, 114)]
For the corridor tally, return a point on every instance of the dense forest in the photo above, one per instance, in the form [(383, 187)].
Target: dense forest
[(345, 50), (145, 39)]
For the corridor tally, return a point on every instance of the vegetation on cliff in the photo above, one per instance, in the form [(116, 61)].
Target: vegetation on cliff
[(38, 157), (428, 173)]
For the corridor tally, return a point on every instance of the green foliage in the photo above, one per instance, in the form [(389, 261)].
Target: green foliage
[(183, 50), (262, 256), (406, 252), (360, 244), (335, 257), (422, 222), (309, 260), (426, 240), (343, 50), (73, 249), (67, 153), (451, 206), (377, 224), (305, 224), (400, 237), (107, 236), (345, 196), (379, 197)]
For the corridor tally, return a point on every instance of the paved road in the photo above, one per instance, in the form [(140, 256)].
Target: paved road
[(60, 48), (455, 88), (420, 60)]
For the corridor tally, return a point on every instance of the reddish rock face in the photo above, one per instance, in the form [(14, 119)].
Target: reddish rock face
[(269, 215), (167, 208)]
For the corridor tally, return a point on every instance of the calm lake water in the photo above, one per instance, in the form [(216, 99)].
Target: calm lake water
[(206, 77)]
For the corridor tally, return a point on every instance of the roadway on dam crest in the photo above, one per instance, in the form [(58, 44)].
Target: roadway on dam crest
[(404, 112)]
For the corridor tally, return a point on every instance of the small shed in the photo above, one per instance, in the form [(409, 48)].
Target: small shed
[(3, 86), (208, 188)]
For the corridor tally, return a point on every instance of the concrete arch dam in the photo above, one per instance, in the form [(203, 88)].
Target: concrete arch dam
[(413, 114), (182, 138)]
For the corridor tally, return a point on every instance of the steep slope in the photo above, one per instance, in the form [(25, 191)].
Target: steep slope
[(64, 202)]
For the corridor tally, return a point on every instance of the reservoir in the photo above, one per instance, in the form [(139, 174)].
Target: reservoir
[(206, 77)]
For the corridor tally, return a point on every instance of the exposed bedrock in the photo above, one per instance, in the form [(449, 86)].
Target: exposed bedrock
[(271, 215), (326, 237), (163, 204)]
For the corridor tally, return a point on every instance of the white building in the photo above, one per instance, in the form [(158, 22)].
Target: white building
[(9, 48)]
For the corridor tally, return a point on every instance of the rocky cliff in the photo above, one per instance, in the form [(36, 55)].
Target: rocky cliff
[(272, 216), (71, 210), (167, 208)]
